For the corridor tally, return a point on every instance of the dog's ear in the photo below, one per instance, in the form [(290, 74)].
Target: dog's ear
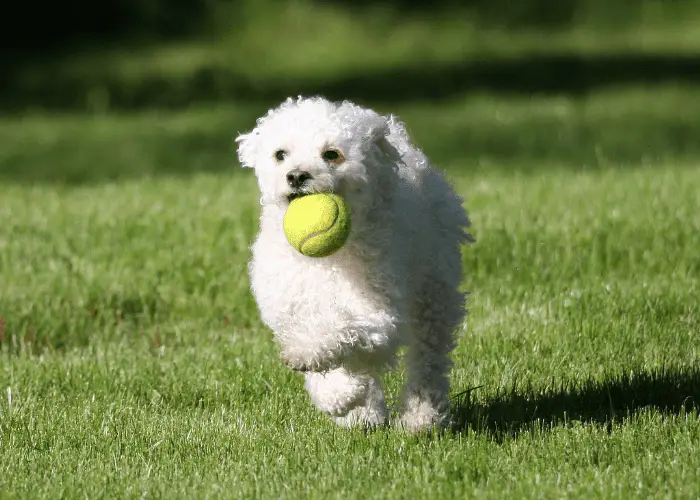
[(247, 148), (388, 150), (379, 137)]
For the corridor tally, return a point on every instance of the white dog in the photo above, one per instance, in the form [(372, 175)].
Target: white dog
[(342, 318)]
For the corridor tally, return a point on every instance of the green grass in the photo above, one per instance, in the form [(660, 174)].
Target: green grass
[(133, 362)]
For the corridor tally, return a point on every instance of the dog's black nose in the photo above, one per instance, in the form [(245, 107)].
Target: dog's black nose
[(296, 177)]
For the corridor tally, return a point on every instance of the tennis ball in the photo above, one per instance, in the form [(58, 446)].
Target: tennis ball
[(317, 225)]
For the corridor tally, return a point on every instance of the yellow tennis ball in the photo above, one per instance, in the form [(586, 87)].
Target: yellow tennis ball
[(317, 225)]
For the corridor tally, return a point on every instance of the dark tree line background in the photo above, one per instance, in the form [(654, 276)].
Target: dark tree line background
[(40, 32), (57, 25)]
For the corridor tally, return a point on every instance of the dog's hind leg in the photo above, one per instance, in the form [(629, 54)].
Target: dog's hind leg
[(349, 399), (438, 311)]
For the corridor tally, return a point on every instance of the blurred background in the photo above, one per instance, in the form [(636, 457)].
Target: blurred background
[(95, 91)]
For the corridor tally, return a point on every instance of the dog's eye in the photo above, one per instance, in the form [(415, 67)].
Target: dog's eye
[(280, 155), (333, 156)]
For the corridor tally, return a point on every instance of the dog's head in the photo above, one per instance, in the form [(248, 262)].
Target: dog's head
[(309, 145)]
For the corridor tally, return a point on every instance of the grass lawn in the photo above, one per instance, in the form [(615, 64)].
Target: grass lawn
[(133, 362)]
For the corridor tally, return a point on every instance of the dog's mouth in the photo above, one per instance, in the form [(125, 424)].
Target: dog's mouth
[(296, 194), (302, 191)]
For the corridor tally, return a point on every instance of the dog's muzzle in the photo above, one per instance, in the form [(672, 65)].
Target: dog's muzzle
[(297, 178), (298, 181)]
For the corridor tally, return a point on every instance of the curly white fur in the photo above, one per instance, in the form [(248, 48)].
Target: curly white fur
[(342, 318)]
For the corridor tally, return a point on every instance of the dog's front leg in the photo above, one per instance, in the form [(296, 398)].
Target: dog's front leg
[(358, 343), (348, 398)]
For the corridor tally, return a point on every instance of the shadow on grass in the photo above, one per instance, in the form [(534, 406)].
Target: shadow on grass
[(516, 410), (570, 74)]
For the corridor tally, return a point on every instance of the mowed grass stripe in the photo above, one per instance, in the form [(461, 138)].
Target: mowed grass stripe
[(134, 362)]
